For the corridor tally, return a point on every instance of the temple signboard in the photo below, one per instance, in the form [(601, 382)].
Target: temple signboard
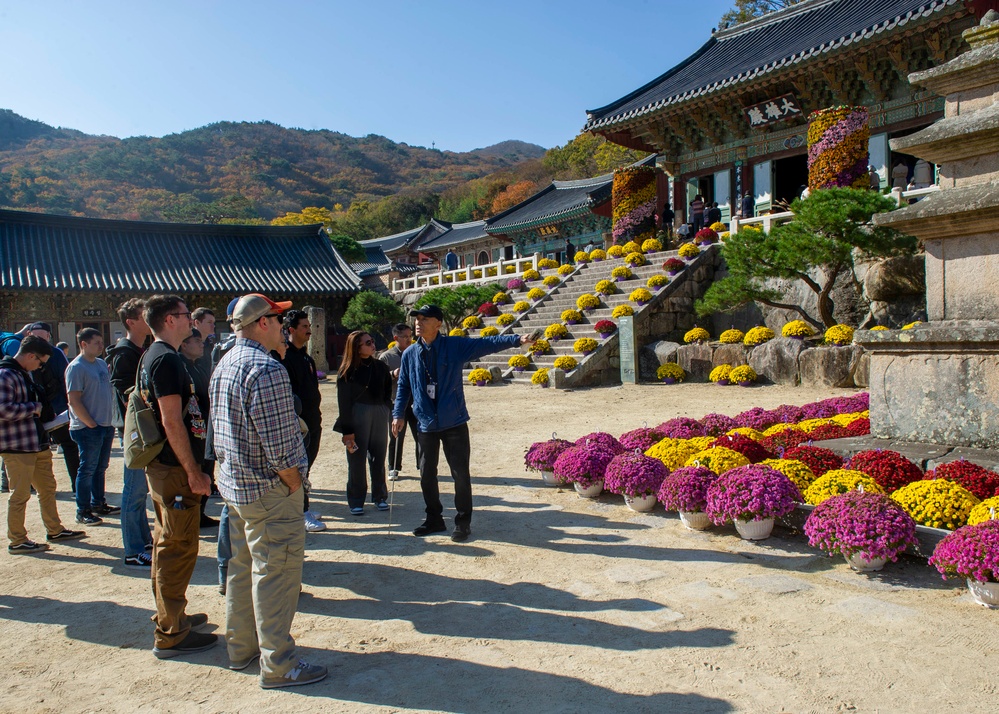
[(772, 111)]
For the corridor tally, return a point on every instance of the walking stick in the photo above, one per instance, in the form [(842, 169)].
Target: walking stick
[(393, 456)]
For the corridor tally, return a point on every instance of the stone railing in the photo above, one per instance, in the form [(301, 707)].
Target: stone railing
[(489, 272), (900, 197)]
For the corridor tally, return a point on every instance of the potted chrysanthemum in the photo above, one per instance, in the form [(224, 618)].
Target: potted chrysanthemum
[(640, 296), (636, 477), (515, 285), (670, 373), (751, 497), (519, 362), (656, 282), (583, 466), (673, 266), (686, 490), (606, 328), (743, 375), (868, 529), (705, 237), (720, 375), (541, 457), (972, 552), (585, 345), (480, 377)]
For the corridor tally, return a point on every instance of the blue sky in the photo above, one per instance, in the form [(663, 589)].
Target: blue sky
[(461, 74)]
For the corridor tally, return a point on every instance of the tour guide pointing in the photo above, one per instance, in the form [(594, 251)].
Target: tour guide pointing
[(430, 375)]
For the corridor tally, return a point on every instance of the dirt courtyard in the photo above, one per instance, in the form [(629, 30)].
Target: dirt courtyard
[(556, 604)]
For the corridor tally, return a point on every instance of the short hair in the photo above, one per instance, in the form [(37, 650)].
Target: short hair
[(199, 313), (131, 310), (62, 345), (157, 309), (87, 334), (34, 345), (293, 317), (400, 328)]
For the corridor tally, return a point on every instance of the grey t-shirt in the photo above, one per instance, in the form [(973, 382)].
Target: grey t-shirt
[(94, 380)]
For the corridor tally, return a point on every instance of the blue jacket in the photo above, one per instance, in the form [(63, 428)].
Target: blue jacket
[(442, 362)]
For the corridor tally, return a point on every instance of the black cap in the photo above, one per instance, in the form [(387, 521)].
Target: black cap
[(40, 326), (428, 311)]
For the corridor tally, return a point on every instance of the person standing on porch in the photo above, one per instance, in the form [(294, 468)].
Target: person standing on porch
[(697, 213), (450, 260)]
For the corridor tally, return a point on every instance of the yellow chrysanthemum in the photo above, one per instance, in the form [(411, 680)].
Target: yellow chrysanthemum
[(839, 335), (987, 510), (797, 471), (622, 311), (758, 335), (832, 483), (671, 370), (689, 250), (488, 332), (698, 334), (718, 459), (938, 503), (749, 431), (505, 319), (797, 328), (731, 337), (720, 372)]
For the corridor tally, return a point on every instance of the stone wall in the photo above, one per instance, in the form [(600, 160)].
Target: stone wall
[(783, 360)]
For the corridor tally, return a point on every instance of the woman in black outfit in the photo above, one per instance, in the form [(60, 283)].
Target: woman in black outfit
[(192, 349), (364, 394)]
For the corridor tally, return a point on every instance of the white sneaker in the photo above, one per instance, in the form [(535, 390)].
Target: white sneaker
[(313, 524), (393, 475)]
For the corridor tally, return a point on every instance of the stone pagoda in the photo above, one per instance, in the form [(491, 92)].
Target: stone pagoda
[(939, 383)]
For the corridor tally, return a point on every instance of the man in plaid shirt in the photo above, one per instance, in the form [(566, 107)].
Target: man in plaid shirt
[(24, 447), (263, 469)]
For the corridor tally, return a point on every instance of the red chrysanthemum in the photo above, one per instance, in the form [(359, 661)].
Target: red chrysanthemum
[(977, 479), (752, 450), (787, 439), (888, 468), (819, 460)]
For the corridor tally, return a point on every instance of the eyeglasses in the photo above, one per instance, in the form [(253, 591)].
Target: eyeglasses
[(178, 314)]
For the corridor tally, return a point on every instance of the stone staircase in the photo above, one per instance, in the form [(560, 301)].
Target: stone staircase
[(601, 365)]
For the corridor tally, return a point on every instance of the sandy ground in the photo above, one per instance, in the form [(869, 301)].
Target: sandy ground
[(557, 604)]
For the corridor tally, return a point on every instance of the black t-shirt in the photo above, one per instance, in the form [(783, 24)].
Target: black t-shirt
[(164, 374)]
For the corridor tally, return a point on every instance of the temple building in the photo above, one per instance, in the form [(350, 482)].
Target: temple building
[(731, 119), (74, 272)]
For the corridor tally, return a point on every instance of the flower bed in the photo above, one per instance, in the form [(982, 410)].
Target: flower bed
[(642, 439)]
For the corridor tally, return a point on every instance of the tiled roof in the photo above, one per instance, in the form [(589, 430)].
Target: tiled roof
[(393, 242), (773, 42), (375, 261), (458, 234), (42, 252), (558, 201)]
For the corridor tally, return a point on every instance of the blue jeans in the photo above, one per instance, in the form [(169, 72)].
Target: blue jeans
[(134, 520), (224, 544), (95, 455)]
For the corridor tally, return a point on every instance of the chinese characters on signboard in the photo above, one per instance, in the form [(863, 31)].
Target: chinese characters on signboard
[(772, 111)]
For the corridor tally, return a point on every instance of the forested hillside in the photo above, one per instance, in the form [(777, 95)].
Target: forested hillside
[(257, 172)]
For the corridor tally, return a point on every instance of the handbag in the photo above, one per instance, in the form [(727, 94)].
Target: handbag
[(143, 438)]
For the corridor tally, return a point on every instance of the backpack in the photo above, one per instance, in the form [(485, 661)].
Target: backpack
[(143, 438)]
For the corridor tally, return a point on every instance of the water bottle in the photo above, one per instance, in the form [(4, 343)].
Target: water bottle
[(178, 503)]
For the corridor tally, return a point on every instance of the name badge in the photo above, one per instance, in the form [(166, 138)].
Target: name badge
[(432, 391)]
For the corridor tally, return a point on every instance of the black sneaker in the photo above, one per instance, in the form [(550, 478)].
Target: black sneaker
[(139, 561), (149, 547), (106, 510), (88, 519), (28, 546), (194, 642), (66, 534), (429, 527)]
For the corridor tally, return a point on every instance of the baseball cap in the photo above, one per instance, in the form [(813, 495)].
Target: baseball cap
[(251, 308), (428, 311), (40, 326), (232, 306)]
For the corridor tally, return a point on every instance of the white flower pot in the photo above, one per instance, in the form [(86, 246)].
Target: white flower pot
[(986, 594), (642, 504), (695, 520), (589, 491), (549, 478), (863, 565), (755, 530)]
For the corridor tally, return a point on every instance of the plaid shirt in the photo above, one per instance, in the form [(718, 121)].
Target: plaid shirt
[(256, 430), (18, 432)]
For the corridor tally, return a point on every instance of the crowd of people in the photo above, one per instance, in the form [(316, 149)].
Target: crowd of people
[(239, 419)]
